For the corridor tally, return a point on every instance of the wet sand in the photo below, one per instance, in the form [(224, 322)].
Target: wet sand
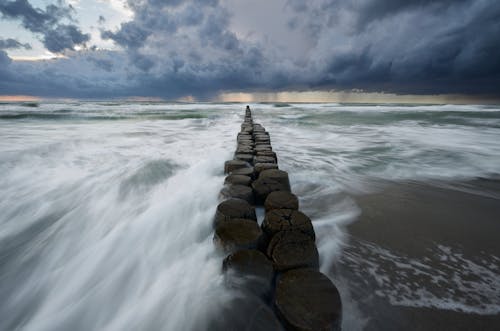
[(439, 241)]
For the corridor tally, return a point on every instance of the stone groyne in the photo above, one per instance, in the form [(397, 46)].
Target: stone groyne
[(274, 264)]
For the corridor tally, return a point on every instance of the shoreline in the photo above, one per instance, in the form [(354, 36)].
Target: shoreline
[(428, 244)]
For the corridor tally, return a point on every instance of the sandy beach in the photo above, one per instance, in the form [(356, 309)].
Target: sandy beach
[(423, 255)]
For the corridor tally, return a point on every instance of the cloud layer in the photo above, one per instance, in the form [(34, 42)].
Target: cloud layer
[(202, 47), (56, 36)]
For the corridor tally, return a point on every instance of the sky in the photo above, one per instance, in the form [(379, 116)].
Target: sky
[(238, 50)]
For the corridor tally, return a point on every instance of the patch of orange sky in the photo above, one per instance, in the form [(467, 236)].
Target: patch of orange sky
[(18, 98)]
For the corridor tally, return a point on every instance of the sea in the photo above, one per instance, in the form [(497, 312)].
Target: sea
[(106, 211)]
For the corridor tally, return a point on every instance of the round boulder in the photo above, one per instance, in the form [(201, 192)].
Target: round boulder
[(263, 159), (262, 139), (286, 220), (306, 299), (238, 191), (244, 137), (244, 313), (244, 171), (281, 200), (238, 180), (267, 153), (291, 250), (244, 157), (244, 149), (235, 164), (269, 181), (251, 269), (264, 166), (237, 233), (234, 208), (260, 148)]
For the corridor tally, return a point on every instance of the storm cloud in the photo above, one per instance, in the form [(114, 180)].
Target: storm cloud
[(56, 36), (11, 43), (176, 48)]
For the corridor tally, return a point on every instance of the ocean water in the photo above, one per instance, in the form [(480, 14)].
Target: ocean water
[(107, 208)]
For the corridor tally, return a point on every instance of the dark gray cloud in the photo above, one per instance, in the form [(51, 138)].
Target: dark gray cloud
[(11, 43), (176, 48), (56, 36)]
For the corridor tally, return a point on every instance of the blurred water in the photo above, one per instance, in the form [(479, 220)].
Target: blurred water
[(107, 207)]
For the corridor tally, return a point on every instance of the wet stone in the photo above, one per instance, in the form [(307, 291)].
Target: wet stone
[(291, 250), (267, 153), (245, 172), (238, 191), (238, 180), (244, 157), (264, 166), (244, 137), (235, 164), (245, 144), (263, 159), (281, 200), (278, 220), (237, 234), (250, 269), (263, 186), (259, 148), (242, 149), (244, 313), (232, 209), (306, 299), (262, 138)]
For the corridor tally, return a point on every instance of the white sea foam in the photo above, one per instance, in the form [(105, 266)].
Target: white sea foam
[(444, 279), (107, 207), (107, 225)]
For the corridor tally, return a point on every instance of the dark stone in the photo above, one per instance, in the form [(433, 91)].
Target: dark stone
[(237, 234), (291, 250), (263, 159), (264, 166), (245, 141), (274, 173), (250, 269), (259, 142), (263, 186), (245, 172), (259, 148), (244, 157), (238, 180), (238, 191), (244, 313), (245, 144), (262, 138), (306, 300), (242, 149), (281, 200), (269, 181), (244, 137), (278, 220), (235, 164), (246, 130), (267, 153), (234, 208)]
